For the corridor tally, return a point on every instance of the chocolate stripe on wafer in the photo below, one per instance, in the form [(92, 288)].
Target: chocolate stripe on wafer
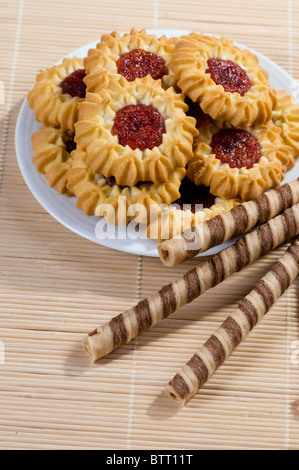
[(214, 346), (265, 293), (232, 329), (241, 253), (236, 327), (218, 269), (249, 310), (240, 218), (216, 229), (266, 239), (282, 275), (180, 385), (168, 300), (199, 368), (235, 222), (264, 209), (286, 195), (118, 329), (143, 315), (289, 223), (194, 283)]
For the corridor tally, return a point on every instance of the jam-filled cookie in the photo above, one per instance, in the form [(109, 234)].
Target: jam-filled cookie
[(237, 162), (133, 55), (101, 196), (57, 94), (285, 115), (136, 131), (195, 205), (52, 155), (228, 82)]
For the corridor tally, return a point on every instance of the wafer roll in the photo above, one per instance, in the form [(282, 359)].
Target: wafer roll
[(127, 325), (223, 227), (236, 327)]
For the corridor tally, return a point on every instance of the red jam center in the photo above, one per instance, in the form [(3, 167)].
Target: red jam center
[(73, 84), (196, 112), (111, 181), (236, 147), (230, 75), (139, 63), (70, 145), (139, 126), (194, 198)]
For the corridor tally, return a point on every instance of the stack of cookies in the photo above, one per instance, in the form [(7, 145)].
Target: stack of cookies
[(165, 132)]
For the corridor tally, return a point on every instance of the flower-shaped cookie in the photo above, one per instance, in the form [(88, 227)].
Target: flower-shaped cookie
[(285, 115), (57, 94), (133, 55), (237, 162), (228, 82), (98, 195), (136, 131), (52, 155)]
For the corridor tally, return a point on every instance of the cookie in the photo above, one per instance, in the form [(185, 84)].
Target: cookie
[(57, 93), (227, 81)]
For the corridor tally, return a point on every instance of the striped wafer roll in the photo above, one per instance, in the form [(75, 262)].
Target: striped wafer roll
[(236, 327), (125, 326), (223, 227)]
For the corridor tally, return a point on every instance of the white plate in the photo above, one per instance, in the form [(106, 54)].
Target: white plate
[(64, 209)]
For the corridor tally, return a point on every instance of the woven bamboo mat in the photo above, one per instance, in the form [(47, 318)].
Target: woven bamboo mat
[(55, 286)]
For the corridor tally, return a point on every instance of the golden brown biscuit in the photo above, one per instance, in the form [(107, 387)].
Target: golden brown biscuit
[(136, 131), (237, 162), (52, 155), (99, 196), (285, 115), (226, 81), (57, 94), (133, 55)]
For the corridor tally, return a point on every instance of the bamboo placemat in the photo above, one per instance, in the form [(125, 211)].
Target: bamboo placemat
[(56, 287)]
